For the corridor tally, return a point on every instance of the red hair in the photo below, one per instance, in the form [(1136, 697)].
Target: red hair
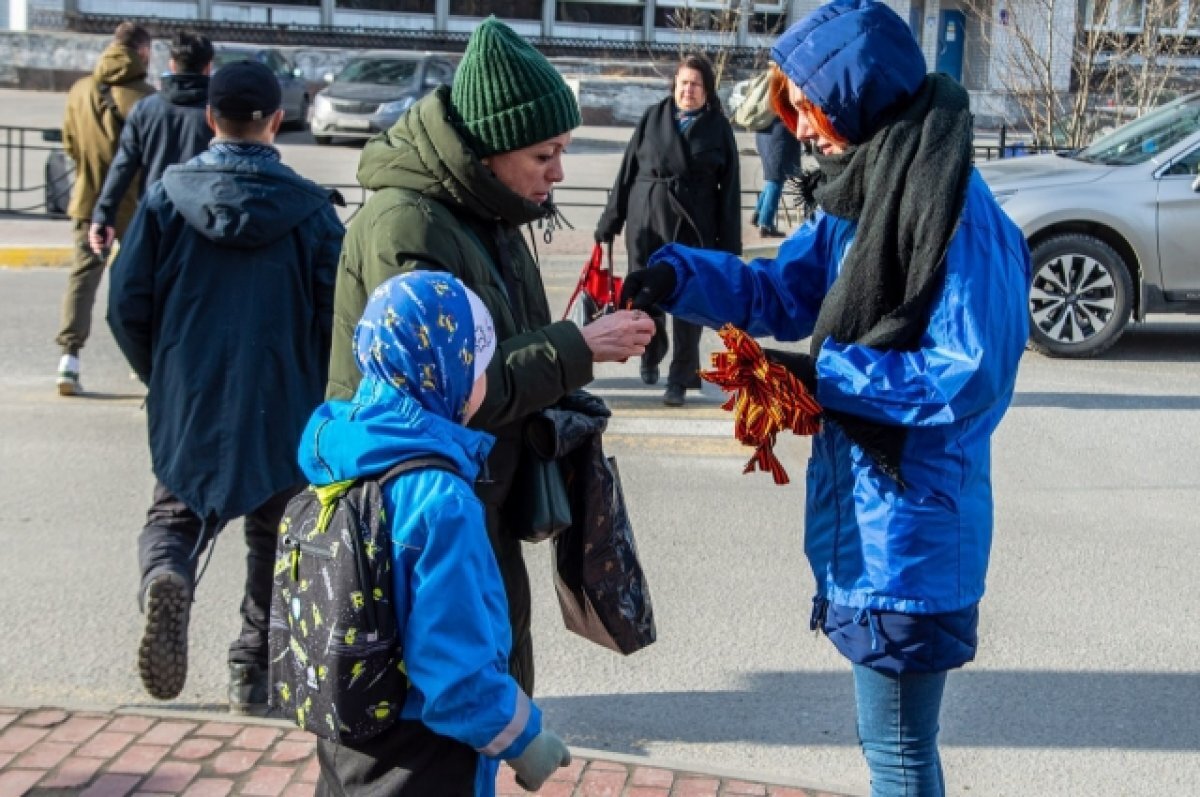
[(790, 114)]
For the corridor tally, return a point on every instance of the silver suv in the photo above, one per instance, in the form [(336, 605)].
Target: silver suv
[(1114, 229), (371, 91)]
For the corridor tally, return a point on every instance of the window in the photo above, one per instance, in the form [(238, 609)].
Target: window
[(1188, 165), (398, 6), (380, 71), (504, 9), (630, 14)]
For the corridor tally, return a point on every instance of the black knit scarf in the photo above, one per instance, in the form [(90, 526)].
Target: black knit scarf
[(906, 187)]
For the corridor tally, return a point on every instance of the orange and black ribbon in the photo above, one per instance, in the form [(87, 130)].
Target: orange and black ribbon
[(767, 399)]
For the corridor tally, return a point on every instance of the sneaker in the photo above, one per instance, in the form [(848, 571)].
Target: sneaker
[(674, 396), (771, 232), (248, 689), (68, 376), (162, 654), (650, 374)]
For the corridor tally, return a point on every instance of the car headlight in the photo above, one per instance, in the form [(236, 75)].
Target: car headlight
[(1003, 196), (321, 103), (396, 107)]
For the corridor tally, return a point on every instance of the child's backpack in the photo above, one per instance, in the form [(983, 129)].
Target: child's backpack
[(337, 666), (755, 112)]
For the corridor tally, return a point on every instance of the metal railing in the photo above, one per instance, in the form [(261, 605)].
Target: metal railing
[(29, 183)]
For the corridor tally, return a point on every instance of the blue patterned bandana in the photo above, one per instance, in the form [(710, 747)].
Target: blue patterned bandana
[(419, 335)]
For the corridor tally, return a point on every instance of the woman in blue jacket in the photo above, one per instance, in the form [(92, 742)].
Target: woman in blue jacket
[(423, 345), (912, 284)]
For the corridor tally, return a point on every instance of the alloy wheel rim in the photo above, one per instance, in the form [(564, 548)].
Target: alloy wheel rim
[(1073, 298)]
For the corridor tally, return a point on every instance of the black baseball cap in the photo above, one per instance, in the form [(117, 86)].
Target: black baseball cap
[(243, 90)]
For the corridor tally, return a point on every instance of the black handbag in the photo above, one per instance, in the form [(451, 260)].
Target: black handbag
[(537, 507)]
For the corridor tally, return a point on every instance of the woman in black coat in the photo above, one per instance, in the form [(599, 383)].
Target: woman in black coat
[(679, 183)]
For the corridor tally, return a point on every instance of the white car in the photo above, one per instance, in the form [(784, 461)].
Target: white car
[(1114, 228)]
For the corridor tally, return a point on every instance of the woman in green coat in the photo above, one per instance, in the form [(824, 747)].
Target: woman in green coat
[(454, 180)]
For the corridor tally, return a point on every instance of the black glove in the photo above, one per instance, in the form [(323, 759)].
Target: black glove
[(603, 237), (803, 366), (647, 287)]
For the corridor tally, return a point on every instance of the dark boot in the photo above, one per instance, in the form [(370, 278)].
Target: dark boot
[(248, 689), (674, 395), (162, 654)]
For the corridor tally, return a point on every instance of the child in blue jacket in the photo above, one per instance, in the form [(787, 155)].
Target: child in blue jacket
[(423, 345)]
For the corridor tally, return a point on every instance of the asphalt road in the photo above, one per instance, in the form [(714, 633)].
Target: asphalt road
[(1086, 680)]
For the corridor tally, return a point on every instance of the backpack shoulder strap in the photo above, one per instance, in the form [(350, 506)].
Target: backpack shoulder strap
[(107, 102), (420, 463)]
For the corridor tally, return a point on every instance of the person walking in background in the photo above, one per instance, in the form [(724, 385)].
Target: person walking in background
[(779, 150), (97, 107), (679, 181), (913, 285), (453, 180), (424, 344), (221, 299), (165, 128)]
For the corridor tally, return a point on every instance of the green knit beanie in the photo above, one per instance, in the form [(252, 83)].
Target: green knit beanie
[(507, 94)]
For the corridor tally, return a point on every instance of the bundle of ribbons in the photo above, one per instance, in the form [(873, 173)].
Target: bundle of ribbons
[(767, 399)]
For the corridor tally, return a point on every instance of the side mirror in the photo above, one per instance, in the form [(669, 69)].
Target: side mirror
[(327, 77), (1195, 183)]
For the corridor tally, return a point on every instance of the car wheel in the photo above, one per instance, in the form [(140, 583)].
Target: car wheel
[(1081, 297), (323, 141)]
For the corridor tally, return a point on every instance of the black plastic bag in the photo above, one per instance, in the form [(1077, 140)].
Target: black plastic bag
[(601, 586)]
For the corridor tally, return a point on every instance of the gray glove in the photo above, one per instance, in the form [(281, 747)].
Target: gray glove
[(544, 754)]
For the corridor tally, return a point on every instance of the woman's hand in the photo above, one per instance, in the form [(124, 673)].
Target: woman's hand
[(617, 336), (646, 287)]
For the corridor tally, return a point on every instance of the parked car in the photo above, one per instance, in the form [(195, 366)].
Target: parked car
[(1114, 228), (371, 91), (292, 85)]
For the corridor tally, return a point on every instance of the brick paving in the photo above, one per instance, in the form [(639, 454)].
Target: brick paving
[(51, 752)]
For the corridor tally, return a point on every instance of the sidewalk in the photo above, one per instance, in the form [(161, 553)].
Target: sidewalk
[(147, 752)]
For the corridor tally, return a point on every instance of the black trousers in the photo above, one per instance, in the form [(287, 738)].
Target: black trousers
[(169, 538), (408, 760), (685, 349)]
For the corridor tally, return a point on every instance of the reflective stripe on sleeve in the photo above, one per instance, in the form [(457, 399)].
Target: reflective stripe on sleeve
[(512, 730)]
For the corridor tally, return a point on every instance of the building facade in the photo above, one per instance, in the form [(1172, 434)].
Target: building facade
[(971, 40)]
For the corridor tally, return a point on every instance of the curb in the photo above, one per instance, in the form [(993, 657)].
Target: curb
[(36, 256)]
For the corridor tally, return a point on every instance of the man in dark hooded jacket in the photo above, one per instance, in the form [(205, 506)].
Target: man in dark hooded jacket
[(165, 128), (222, 301)]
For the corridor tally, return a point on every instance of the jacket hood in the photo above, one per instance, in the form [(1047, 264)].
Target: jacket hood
[(424, 152), (856, 60), (185, 89), (381, 427), (119, 64), (416, 346), (241, 202)]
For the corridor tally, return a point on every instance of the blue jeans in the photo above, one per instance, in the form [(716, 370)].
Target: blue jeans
[(768, 203), (898, 729)]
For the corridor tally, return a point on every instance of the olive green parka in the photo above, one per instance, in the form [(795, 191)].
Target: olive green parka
[(91, 131), (436, 206)]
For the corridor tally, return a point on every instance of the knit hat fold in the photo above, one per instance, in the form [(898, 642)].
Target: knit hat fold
[(507, 95)]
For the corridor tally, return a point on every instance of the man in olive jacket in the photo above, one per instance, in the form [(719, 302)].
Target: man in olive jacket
[(97, 107), (438, 205)]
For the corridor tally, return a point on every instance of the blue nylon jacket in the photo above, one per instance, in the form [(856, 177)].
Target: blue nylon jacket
[(923, 550)]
